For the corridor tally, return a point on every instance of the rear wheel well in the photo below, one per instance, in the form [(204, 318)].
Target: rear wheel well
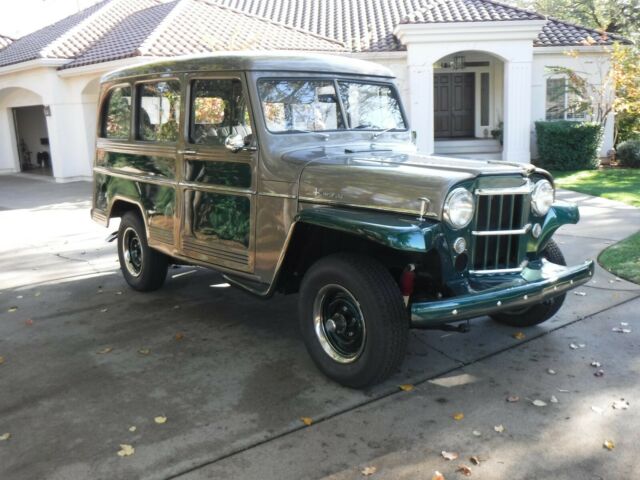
[(310, 242), (120, 207)]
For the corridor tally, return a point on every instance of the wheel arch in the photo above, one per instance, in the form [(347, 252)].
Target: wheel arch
[(121, 205)]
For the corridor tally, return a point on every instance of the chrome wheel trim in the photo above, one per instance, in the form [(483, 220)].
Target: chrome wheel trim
[(132, 252), (325, 326)]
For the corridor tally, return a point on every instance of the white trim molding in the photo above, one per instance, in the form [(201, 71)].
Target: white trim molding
[(31, 64)]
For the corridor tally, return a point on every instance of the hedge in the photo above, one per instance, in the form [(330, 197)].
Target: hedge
[(564, 145), (628, 153)]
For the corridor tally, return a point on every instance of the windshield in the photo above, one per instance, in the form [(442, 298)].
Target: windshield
[(301, 105)]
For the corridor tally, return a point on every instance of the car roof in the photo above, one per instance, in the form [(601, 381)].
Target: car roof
[(254, 61)]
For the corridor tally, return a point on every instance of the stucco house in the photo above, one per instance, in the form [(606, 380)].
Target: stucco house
[(464, 67)]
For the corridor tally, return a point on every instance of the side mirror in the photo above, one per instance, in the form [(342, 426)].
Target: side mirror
[(234, 143)]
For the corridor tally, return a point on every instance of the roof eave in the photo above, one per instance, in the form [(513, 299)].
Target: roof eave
[(105, 67), (35, 63)]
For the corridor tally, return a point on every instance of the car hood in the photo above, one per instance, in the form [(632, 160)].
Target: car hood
[(397, 182)]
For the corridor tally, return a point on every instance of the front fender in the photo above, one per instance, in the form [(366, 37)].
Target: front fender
[(400, 232), (561, 213)]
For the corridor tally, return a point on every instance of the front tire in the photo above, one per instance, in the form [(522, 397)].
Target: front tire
[(143, 268), (353, 319), (535, 315)]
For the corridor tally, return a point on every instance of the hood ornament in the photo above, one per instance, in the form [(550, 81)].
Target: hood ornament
[(424, 207)]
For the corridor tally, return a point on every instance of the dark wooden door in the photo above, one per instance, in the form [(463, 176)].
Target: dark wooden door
[(454, 102)]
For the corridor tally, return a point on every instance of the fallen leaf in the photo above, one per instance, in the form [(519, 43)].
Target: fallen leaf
[(513, 399), (37, 294), (475, 460), (28, 322), (477, 433), (562, 390), (582, 345), (104, 310), (407, 387), (596, 364), (19, 297), (367, 471), (573, 346), (539, 403), (553, 399), (1, 360), (599, 373), (179, 336), (580, 294), (5, 436), (160, 419), (118, 292), (125, 450), (598, 410), (105, 350), (458, 416), (12, 309), (463, 469), (449, 455), (133, 428), (620, 405), (176, 307), (499, 428), (437, 476), (519, 336), (550, 371), (609, 445), (307, 420), (621, 330), (144, 351), (624, 324)]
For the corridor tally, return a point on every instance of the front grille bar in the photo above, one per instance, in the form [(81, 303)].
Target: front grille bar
[(487, 233)]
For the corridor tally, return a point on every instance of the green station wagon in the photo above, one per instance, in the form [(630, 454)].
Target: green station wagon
[(298, 174)]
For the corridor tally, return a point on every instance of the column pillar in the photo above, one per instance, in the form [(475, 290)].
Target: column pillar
[(421, 91), (517, 112)]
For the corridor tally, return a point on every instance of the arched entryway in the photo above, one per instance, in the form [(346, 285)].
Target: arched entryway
[(467, 105), (24, 133)]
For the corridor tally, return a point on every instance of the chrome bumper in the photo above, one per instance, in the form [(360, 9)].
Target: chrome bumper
[(529, 287)]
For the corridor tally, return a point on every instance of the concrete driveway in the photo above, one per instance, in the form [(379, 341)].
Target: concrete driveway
[(86, 360)]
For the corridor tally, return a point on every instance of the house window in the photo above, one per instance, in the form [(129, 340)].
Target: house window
[(562, 102), (484, 99), (218, 110), (116, 114), (158, 111)]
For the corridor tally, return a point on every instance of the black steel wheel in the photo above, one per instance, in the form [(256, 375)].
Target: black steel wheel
[(353, 319), (536, 314), (143, 268)]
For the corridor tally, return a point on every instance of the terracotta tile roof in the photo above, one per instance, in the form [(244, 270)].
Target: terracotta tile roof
[(197, 26), (115, 29), (72, 35), (5, 41), (368, 25), (442, 11), (559, 33)]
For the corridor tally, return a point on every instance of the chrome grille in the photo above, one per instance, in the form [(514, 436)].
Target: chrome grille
[(498, 230)]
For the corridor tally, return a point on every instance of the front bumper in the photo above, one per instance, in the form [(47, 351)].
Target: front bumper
[(533, 285)]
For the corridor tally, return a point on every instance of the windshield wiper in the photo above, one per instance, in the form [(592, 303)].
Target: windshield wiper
[(375, 135), (325, 136)]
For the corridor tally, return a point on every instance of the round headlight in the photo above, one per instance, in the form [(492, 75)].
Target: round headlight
[(542, 197), (458, 208)]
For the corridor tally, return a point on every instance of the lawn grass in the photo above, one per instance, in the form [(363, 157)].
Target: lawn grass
[(623, 258), (621, 184)]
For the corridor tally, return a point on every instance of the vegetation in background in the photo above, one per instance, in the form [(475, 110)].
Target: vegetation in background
[(623, 258), (628, 153), (566, 145), (621, 184)]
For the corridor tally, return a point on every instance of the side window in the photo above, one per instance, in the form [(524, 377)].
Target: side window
[(158, 111), (116, 113), (218, 109)]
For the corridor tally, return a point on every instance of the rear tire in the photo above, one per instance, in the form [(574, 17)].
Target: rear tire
[(541, 312), (353, 319), (143, 268)]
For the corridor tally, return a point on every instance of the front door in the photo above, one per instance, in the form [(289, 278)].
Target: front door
[(219, 185), (454, 101)]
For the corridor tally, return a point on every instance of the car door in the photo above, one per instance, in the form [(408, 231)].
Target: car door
[(219, 182)]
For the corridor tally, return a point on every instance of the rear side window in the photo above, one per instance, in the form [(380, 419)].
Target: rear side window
[(116, 115), (218, 109), (158, 111)]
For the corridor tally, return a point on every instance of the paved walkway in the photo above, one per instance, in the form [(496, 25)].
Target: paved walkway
[(86, 359)]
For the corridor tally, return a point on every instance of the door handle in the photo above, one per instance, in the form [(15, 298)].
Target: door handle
[(186, 152)]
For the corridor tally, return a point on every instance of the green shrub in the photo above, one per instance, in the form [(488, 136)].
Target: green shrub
[(628, 153), (564, 145), (627, 127)]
